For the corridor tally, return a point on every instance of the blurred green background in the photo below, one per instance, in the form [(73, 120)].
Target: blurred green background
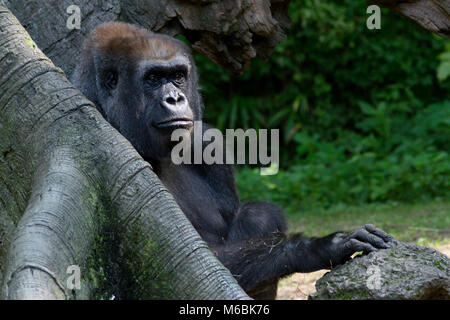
[(364, 119)]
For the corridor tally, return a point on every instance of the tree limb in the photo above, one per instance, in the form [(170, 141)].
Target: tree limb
[(433, 15), (230, 32)]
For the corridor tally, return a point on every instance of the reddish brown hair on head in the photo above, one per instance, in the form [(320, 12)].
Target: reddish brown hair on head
[(134, 42)]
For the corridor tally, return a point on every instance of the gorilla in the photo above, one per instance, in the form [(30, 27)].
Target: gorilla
[(146, 85)]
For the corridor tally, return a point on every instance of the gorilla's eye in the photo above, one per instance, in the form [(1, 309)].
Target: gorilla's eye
[(152, 78), (178, 76), (111, 79)]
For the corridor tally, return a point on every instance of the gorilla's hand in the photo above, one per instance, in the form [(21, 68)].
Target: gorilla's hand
[(366, 239)]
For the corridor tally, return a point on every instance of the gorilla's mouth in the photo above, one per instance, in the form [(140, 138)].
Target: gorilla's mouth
[(175, 123)]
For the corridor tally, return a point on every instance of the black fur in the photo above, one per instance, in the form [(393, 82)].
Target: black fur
[(249, 238)]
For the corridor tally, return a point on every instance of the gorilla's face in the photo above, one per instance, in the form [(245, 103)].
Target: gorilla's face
[(147, 94)]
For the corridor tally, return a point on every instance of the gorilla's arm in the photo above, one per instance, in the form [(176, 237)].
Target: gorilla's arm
[(257, 261)]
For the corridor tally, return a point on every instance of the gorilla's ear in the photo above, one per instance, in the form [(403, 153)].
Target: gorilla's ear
[(84, 76)]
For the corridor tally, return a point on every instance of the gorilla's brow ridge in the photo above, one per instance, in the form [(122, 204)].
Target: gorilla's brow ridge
[(178, 63)]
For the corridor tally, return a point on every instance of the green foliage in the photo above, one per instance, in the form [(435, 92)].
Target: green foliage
[(443, 71), (363, 114), (395, 159)]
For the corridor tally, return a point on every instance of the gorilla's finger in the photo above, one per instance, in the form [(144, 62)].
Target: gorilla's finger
[(380, 233), (366, 236), (354, 245)]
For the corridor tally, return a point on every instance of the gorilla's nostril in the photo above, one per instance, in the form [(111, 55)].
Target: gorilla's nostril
[(171, 100)]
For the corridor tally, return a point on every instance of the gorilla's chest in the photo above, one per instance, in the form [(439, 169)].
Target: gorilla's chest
[(204, 197)]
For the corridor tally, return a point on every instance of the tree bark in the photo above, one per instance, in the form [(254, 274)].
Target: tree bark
[(230, 32), (433, 15), (73, 191)]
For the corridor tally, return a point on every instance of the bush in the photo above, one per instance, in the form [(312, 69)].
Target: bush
[(363, 114)]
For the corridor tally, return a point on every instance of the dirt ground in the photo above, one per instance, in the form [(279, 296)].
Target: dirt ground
[(300, 285)]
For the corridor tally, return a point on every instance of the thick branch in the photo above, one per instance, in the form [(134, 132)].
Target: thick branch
[(433, 15), (230, 32)]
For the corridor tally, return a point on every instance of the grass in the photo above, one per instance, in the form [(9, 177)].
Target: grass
[(424, 223)]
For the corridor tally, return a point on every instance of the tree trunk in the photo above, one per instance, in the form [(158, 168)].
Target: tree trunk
[(73, 191)]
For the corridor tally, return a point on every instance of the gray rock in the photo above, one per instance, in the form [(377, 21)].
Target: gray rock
[(405, 271)]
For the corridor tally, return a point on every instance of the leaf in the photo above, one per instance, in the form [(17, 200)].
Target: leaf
[(367, 108), (276, 119), (443, 71), (244, 115), (444, 56), (233, 114)]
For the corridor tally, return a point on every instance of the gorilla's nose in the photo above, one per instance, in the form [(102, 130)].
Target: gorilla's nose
[(176, 113), (174, 100)]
